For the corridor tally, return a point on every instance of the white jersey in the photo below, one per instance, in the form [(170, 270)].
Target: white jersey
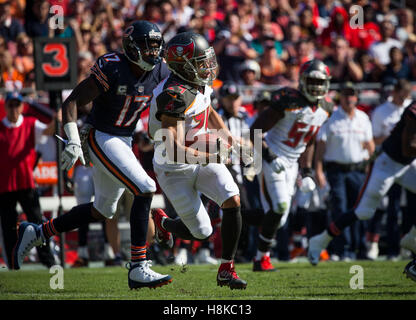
[(181, 101), (289, 137)]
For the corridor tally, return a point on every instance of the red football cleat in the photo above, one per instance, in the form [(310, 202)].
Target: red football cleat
[(228, 277), (162, 236), (263, 264)]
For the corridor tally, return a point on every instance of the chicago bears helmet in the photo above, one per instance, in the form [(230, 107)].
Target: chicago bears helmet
[(314, 78), (190, 57), (142, 44)]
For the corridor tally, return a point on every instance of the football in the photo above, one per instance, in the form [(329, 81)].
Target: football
[(206, 142)]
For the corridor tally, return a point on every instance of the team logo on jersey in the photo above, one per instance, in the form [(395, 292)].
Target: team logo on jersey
[(122, 90)]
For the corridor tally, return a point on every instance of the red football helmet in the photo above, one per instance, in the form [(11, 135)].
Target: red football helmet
[(190, 57)]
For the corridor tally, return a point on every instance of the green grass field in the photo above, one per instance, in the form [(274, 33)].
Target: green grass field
[(294, 281)]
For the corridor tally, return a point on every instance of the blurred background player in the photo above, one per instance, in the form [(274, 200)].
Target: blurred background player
[(290, 122), (182, 107), (120, 86), (395, 164)]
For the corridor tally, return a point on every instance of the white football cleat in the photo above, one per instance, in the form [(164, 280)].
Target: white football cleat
[(182, 257), (316, 245), (409, 240), (373, 251), (140, 275), (29, 236), (204, 257)]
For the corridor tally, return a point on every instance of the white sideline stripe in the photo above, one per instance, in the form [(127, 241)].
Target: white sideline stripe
[(52, 204)]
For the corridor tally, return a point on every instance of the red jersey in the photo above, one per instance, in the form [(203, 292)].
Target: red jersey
[(18, 155)]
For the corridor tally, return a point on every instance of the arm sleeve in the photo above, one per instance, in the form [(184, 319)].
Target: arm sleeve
[(170, 103), (102, 72)]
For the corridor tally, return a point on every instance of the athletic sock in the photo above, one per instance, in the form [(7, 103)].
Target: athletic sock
[(268, 230), (139, 219), (336, 227), (230, 232), (73, 219)]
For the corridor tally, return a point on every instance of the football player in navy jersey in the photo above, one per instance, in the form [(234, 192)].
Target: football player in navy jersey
[(120, 87), (395, 164)]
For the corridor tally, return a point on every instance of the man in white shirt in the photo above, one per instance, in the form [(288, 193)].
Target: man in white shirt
[(380, 49), (383, 120), (344, 144)]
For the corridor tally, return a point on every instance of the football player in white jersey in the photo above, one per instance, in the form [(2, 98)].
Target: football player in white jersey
[(289, 125), (181, 107)]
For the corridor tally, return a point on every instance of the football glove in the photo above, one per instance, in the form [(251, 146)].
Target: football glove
[(73, 150), (279, 164)]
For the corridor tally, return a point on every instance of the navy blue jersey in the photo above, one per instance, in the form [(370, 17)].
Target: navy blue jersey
[(123, 96), (393, 144)]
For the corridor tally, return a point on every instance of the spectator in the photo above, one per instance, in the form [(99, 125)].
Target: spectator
[(37, 25), (291, 77), (24, 60), (341, 63), (183, 13), (338, 27), (18, 137), (250, 73), (367, 66), (265, 34), (265, 17), (369, 33), (232, 49), (305, 51), (398, 68), (167, 23), (405, 29), (307, 24), (97, 47), (246, 11), (10, 28), (380, 50), (345, 142), (271, 66), (11, 78), (384, 10), (293, 36)]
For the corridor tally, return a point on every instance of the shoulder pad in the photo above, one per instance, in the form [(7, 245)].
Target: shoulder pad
[(287, 99)]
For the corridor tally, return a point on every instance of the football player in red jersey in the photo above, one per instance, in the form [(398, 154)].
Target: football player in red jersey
[(395, 164), (290, 124), (120, 87), (181, 108)]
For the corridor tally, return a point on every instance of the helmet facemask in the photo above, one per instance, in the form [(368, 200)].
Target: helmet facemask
[(314, 85), (202, 70), (145, 55)]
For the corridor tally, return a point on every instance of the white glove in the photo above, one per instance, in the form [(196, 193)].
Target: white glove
[(73, 149), (279, 164), (307, 185), (244, 152)]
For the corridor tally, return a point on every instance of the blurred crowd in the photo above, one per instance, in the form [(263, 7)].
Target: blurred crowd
[(259, 44)]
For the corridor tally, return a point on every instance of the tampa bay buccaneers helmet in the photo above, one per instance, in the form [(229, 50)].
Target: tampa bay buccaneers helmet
[(189, 56), (142, 44), (314, 80)]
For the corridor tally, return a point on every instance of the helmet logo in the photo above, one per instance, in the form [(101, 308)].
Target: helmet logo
[(128, 31), (154, 34), (179, 51)]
